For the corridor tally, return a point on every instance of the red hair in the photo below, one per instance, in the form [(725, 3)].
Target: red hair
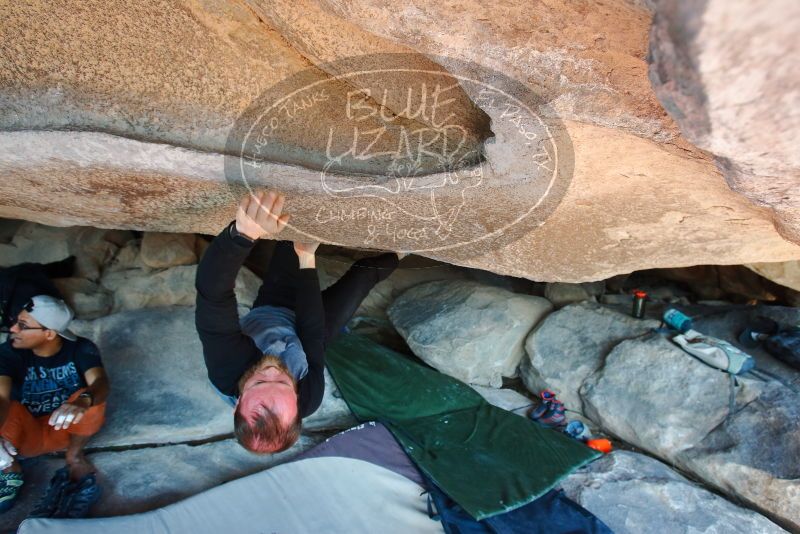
[(265, 434)]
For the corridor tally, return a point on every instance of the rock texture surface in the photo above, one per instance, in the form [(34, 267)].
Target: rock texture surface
[(407, 275), (561, 294), (507, 399), (93, 248), (333, 413), (160, 391), (642, 388), (651, 393), (753, 455), (632, 493), (736, 102), (467, 330), (136, 137), (87, 299), (569, 346), (783, 273), (135, 289), (161, 250)]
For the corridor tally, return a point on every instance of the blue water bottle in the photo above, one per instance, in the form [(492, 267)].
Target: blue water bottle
[(677, 320)]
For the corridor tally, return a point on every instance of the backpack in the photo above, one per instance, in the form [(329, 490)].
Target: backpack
[(20, 283), (785, 345)]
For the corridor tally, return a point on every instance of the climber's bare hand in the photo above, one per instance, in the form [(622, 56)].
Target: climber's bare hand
[(259, 215)]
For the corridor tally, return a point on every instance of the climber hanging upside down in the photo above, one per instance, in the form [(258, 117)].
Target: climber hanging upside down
[(269, 364)]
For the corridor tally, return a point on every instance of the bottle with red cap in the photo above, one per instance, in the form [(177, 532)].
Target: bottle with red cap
[(639, 299)]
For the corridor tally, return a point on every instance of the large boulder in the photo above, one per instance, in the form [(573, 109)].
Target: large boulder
[(371, 319), (785, 273), (571, 344), (85, 161), (641, 387), (754, 455), (651, 393), (467, 330), (161, 250), (633, 493), (134, 289), (128, 257), (409, 273), (93, 248), (561, 294), (87, 299), (507, 399), (37, 244)]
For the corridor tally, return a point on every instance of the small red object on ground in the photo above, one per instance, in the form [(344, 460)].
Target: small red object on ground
[(603, 445)]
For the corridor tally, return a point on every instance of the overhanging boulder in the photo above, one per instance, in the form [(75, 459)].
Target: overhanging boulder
[(133, 132)]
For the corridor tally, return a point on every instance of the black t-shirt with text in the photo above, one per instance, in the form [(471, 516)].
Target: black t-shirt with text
[(43, 384)]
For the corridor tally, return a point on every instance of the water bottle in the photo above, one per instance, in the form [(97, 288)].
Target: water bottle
[(677, 320), (639, 299)]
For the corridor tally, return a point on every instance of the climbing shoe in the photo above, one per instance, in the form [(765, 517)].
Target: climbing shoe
[(547, 396), (554, 417), (48, 504), (551, 412), (10, 486), (78, 498), (538, 411)]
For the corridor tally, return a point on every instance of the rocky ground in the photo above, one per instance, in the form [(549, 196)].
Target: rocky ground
[(683, 461)]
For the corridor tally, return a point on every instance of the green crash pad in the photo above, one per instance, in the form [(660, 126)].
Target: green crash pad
[(488, 460)]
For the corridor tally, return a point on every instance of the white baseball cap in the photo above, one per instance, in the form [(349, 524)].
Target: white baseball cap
[(53, 314)]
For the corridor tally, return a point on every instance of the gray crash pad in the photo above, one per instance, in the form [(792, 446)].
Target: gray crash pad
[(326, 494), (139, 480)]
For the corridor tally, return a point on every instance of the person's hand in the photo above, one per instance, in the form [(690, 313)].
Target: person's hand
[(259, 215), (305, 253), (7, 453), (65, 415)]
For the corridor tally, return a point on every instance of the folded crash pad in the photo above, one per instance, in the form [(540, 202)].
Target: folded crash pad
[(486, 459)]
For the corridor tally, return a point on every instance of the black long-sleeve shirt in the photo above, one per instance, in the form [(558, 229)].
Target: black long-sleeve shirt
[(227, 351)]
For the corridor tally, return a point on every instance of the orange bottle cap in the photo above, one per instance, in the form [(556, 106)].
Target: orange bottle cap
[(603, 445)]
